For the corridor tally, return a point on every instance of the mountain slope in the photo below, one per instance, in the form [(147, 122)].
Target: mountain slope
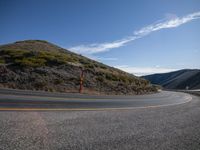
[(177, 79), (40, 65)]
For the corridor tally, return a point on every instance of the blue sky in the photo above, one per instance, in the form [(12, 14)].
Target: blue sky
[(138, 36)]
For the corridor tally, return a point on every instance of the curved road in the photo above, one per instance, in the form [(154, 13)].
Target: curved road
[(122, 125), (25, 100)]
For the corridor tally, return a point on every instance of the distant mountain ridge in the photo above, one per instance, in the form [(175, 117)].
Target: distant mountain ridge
[(177, 80), (40, 65)]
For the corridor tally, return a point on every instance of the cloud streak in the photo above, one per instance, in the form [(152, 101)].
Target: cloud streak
[(102, 47), (107, 58)]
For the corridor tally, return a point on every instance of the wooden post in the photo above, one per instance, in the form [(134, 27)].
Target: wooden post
[(81, 81)]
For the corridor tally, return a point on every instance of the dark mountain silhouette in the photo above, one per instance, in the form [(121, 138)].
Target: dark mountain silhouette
[(177, 80)]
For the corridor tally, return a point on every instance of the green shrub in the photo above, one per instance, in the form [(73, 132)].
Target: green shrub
[(2, 61), (100, 79), (103, 67), (16, 53), (54, 58), (58, 81), (31, 62), (124, 79), (40, 85), (36, 58), (84, 61), (89, 66), (111, 77)]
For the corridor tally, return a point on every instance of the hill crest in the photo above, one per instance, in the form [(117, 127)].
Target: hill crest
[(40, 65)]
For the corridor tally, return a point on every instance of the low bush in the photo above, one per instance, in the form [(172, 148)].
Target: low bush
[(112, 77), (2, 61), (31, 62), (100, 79), (58, 81), (35, 58), (89, 66)]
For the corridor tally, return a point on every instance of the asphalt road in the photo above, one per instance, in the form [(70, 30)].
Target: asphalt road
[(170, 125), (21, 100)]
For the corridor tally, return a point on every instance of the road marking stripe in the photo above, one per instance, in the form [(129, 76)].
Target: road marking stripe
[(76, 98), (189, 98)]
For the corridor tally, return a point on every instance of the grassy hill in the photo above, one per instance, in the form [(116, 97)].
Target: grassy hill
[(177, 79), (40, 65)]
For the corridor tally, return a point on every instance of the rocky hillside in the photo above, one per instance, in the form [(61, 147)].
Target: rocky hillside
[(40, 65), (177, 80)]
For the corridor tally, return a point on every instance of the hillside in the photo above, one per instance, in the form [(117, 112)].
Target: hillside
[(40, 65), (177, 79)]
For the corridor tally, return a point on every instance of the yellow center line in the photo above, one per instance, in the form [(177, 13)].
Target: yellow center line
[(189, 98)]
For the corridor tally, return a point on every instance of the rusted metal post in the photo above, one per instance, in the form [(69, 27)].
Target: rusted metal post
[(81, 81)]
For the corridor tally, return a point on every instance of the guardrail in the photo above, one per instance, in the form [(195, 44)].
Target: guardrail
[(194, 92)]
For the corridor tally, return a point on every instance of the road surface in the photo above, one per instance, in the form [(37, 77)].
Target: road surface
[(26, 100), (163, 121)]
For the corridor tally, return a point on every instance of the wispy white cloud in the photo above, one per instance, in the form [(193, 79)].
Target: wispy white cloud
[(171, 22), (102, 47), (97, 58), (107, 58), (140, 71), (167, 24)]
